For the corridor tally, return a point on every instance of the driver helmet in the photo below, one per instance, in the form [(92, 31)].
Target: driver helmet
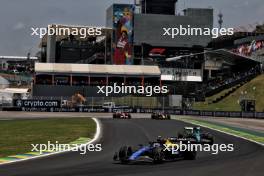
[(159, 139), (196, 129)]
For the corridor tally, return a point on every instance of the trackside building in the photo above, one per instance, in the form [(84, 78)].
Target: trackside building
[(65, 80)]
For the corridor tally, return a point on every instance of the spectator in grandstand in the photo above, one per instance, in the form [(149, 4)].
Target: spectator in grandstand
[(237, 77), (248, 49)]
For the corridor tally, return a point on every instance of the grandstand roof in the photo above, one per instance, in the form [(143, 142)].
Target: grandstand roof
[(231, 57), (138, 70), (249, 39), (14, 90), (226, 41), (3, 81), (17, 58)]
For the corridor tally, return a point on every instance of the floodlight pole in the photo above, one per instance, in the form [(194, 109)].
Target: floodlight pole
[(142, 52), (163, 103), (105, 47), (145, 6)]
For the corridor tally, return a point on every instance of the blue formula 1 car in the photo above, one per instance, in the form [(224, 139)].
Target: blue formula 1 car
[(154, 152)]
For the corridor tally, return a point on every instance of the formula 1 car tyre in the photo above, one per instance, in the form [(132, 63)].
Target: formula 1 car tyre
[(158, 155), (124, 154), (190, 155)]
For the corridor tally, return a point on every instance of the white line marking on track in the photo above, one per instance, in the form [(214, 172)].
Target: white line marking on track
[(223, 132)]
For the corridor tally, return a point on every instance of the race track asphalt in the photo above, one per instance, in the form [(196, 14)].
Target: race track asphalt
[(246, 160)]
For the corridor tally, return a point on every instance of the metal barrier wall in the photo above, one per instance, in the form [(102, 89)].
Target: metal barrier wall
[(229, 114)]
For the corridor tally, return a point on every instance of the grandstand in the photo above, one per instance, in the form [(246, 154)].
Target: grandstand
[(205, 67), (229, 99), (76, 48), (232, 61), (65, 80), (22, 63), (246, 44)]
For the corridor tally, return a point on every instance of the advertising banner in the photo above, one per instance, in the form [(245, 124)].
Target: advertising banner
[(123, 34), (37, 103)]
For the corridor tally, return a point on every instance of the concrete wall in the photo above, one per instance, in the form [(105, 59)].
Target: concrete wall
[(51, 48), (159, 7), (109, 16), (148, 28)]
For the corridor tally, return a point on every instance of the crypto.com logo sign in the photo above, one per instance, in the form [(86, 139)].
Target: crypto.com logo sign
[(37, 103)]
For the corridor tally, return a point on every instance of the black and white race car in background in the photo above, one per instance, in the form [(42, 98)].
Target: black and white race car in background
[(160, 116)]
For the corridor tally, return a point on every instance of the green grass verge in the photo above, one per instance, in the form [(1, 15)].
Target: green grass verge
[(16, 136), (246, 135), (254, 90)]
